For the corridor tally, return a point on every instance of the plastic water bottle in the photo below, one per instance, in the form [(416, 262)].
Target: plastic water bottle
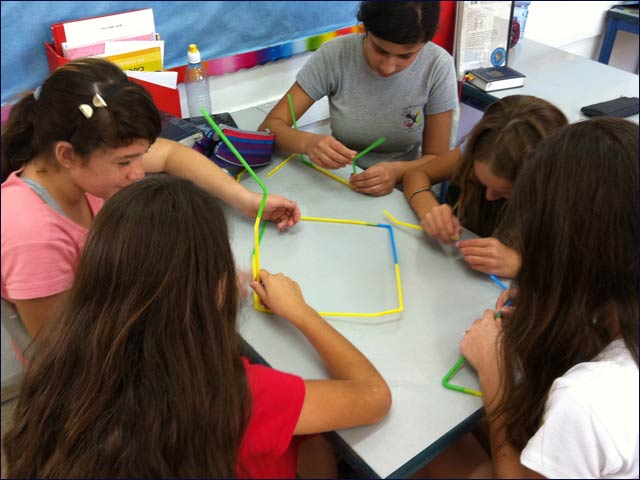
[(196, 84)]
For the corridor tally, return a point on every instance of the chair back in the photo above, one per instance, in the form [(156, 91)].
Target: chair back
[(13, 323)]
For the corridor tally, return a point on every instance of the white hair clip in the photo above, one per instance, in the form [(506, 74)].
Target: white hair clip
[(97, 101), (36, 93)]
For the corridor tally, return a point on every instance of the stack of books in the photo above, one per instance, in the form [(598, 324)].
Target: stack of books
[(180, 130), (495, 78), (482, 34), (129, 39)]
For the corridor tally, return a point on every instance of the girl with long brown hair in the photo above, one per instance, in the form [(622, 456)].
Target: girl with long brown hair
[(142, 374), (482, 171), (559, 374), (66, 147)]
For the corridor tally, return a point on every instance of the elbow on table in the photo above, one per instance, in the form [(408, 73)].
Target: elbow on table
[(380, 401)]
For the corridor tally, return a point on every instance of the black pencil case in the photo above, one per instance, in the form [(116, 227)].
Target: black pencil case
[(618, 107)]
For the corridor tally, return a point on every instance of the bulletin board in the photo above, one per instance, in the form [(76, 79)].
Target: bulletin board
[(220, 29)]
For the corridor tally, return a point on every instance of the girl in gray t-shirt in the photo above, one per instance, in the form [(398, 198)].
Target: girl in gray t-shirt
[(389, 81)]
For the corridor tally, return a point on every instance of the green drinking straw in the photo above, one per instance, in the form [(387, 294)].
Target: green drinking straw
[(456, 367), (239, 157), (295, 126), (308, 162), (265, 193), (458, 388), (367, 150)]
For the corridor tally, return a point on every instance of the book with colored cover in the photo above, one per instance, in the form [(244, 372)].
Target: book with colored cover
[(166, 98), (495, 78), (180, 130), (148, 60)]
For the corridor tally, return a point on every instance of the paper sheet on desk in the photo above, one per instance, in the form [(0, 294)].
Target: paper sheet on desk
[(164, 79)]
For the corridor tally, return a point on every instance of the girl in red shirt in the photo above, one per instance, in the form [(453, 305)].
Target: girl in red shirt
[(143, 374)]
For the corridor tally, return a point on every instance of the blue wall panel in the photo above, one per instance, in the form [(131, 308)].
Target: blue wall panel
[(219, 28)]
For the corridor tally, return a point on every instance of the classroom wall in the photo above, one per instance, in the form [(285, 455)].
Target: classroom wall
[(219, 28), (578, 28)]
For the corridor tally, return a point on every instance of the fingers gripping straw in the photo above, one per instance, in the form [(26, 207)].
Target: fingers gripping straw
[(461, 360), (458, 365), (308, 162), (316, 167), (493, 278), (367, 150)]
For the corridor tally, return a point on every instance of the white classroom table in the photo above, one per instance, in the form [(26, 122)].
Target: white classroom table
[(568, 81), (350, 268)]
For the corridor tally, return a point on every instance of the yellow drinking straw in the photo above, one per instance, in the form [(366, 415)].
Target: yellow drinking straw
[(400, 306), (280, 165), (398, 222)]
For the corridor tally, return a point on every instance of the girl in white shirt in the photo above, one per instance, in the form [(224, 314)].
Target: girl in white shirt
[(559, 370)]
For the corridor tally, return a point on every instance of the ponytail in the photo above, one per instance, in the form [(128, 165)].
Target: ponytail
[(18, 146)]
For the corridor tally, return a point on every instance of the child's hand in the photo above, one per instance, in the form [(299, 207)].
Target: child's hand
[(327, 152), (489, 255), (280, 294), (480, 343), (377, 180), (441, 224), (281, 211)]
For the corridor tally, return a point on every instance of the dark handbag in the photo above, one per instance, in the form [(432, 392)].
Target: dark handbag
[(618, 107)]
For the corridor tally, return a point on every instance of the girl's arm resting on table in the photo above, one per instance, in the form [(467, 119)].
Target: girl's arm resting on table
[(37, 312), (357, 394), (177, 159), (181, 161), (381, 178), (323, 150)]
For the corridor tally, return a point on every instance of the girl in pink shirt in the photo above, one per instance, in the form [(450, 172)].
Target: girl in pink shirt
[(83, 135)]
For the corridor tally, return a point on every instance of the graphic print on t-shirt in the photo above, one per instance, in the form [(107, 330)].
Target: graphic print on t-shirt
[(412, 117)]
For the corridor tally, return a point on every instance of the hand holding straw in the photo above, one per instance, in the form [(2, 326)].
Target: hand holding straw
[(458, 365), (367, 150), (308, 162)]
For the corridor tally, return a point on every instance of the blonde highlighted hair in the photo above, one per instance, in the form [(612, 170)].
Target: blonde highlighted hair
[(509, 129)]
